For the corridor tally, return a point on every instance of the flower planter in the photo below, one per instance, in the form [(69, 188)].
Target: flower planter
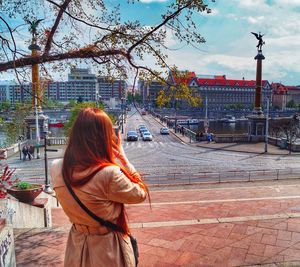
[(26, 195)]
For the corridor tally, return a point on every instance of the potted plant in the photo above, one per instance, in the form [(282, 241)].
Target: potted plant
[(6, 180), (25, 192)]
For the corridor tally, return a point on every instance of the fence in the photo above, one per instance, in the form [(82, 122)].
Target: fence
[(221, 177)]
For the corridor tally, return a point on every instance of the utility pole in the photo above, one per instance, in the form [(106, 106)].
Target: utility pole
[(267, 125), (37, 129), (122, 114), (206, 121), (47, 188)]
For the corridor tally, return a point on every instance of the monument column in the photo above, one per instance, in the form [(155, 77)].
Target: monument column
[(37, 123), (258, 90), (256, 128)]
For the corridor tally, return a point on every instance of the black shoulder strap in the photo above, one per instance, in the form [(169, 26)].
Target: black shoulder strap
[(109, 224)]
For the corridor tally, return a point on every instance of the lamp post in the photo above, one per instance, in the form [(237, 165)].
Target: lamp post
[(47, 188), (206, 121), (20, 139), (267, 125), (175, 106), (122, 115), (37, 129)]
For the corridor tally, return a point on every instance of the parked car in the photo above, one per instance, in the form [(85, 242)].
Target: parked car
[(164, 130), (132, 136), (147, 136), (144, 112)]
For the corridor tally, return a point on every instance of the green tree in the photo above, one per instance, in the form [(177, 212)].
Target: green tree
[(76, 109), (17, 126), (291, 104), (129, 97), (4, 106), (180, 91), (138, 98)]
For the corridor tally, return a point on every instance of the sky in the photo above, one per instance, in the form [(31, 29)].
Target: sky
[(230, 47)]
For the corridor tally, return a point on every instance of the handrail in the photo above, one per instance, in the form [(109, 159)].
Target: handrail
[(221, 177)]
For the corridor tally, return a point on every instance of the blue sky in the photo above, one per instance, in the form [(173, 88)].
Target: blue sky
[(230, 47)]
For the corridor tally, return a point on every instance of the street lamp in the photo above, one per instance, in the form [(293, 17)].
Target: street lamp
[(267, 125), (206, 121), (47, 188), (122, 114), (175, 106), (37, 129), (20, 139)]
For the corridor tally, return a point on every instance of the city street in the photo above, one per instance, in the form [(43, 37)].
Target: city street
[(167, 155)]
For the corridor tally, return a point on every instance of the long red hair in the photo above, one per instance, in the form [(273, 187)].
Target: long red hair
[(90, 145)]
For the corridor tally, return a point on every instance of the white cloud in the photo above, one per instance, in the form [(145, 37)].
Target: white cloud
[(252, 4), (255, 20), (289, 3)]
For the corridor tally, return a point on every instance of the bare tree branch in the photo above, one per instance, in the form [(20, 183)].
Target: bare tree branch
[(54, 27), (81, 53)]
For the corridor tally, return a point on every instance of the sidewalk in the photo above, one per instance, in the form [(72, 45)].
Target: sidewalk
[(230, 226), (256, 148)]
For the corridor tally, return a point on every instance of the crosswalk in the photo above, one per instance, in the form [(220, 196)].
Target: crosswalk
[(151, 144)]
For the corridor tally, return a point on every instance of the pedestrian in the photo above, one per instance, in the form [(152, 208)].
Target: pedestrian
[(25, 152), (3, 153), (31, 151), (103, 180)]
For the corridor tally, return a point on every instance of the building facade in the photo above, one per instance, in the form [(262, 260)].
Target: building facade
[(81, 84), (149, 92), (224, 93), (283, 95)]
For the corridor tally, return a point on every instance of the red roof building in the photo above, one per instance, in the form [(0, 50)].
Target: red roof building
[(283, 95), (222, 92)]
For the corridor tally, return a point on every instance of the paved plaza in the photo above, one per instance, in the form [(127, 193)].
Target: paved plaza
[(226, 224), (215, 225)]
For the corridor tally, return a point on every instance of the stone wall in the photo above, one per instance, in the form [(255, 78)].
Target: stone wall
[(7, 247), (22, 215)]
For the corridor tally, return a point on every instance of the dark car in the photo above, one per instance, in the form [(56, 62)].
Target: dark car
[(132, 136)]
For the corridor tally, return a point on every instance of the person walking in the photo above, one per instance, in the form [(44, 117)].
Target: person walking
[(31, 151), (97, 170), (25, 152)]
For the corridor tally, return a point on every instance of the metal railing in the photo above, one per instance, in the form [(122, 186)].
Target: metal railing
[(221, 177)]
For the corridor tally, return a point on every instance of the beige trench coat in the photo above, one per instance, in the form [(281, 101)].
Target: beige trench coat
[(90, 244)]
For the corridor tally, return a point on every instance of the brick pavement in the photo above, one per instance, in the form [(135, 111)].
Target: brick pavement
[(235, 225)]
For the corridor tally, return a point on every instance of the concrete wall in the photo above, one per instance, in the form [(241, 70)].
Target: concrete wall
[(231, 138), (22, 215), (7, 247)]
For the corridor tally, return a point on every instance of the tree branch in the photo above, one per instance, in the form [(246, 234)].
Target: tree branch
[(88, 52), (54, 27), (168, 18)]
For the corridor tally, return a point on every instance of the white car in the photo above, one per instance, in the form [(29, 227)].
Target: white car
[(164, 130), (147, 136)]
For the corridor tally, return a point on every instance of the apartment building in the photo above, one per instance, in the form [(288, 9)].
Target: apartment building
[(81, 84)]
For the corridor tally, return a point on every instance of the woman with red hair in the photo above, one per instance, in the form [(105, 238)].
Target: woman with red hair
[(95, 166)]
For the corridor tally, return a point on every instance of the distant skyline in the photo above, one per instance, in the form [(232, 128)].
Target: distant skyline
[(230, 47)]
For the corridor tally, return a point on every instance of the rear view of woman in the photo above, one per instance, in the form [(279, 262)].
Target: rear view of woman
[(90, 167)]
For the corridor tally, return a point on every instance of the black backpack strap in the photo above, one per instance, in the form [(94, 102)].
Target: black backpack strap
[(103, 222)]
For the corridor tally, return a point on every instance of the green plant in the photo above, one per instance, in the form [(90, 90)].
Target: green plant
[(6, 180), (23, 185)]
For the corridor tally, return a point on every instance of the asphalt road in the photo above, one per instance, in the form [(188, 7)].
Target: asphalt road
[(167, 156)]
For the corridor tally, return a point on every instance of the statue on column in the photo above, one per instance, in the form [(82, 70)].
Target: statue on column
[(259, 37), (33, 26)]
